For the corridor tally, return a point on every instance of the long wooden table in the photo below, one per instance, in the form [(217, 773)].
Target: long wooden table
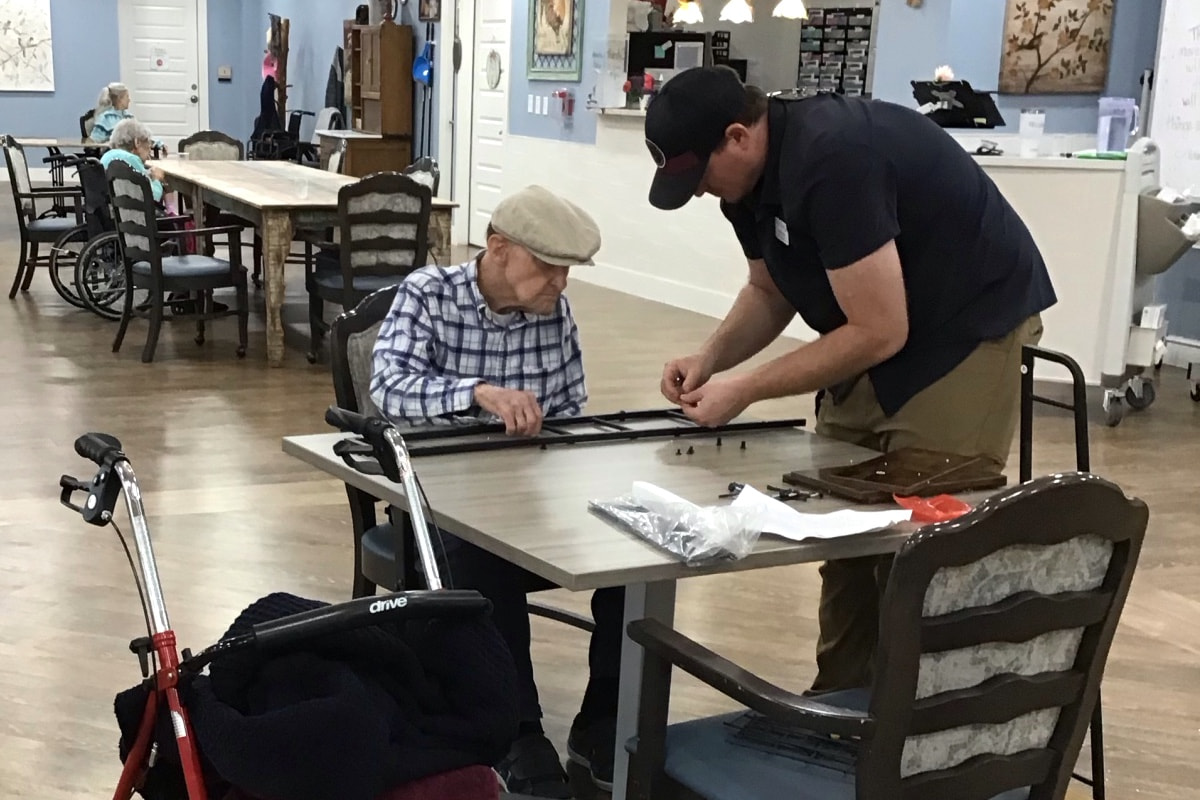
[(59, 143), (279, 197), (530, 506)]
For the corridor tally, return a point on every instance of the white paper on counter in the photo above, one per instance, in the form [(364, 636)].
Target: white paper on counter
[(782, 520)]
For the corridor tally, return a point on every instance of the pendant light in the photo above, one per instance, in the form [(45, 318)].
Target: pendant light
[(688, 13), (737, 11), (790, 9)]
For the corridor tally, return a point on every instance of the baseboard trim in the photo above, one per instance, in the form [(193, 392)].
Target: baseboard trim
[(689, 297), (1181, 352)]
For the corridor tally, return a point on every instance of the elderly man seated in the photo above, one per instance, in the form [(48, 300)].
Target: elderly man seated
[(494, 339)]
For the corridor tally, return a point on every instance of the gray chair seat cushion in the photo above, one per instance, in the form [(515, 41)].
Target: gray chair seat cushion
[(189, 266), (332, 280), (379, 555), (50, 228), (703, 755)]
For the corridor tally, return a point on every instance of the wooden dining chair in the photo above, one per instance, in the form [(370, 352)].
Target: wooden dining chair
[(383, 232), (147, 268), (993, 636)]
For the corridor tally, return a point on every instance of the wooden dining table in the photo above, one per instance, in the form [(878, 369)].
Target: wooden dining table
[(279, 198), (60, 142)]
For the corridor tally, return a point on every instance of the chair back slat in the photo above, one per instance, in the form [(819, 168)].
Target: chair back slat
[(212, 146), (134, 214), (18, 176), (353, 336), (994, 634), (1016, 619), (384, 226)]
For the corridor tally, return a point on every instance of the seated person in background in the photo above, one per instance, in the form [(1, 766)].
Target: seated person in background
[(111, 107), (131, 142), (492, 339)]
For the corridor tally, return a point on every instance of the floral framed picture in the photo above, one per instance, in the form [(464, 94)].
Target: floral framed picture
[(555, 36), (1056, 46)]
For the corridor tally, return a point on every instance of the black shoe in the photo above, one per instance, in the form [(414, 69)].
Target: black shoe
[(591, 745), (532, 768)]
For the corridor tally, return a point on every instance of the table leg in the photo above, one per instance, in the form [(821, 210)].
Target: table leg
[(197, 196), (642, 601), (439, 236), (277, 242)]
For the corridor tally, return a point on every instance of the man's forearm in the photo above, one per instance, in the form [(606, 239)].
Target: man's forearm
[(756, 319), (840, 355)]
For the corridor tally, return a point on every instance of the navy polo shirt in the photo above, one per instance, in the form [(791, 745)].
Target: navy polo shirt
[(845, 176)]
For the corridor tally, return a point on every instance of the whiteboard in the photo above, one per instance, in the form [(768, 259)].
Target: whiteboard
[(1175, 120)]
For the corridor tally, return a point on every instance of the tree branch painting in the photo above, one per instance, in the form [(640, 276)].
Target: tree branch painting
[(1056, 46)]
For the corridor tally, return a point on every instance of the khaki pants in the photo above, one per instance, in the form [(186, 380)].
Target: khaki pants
[(973, 410)]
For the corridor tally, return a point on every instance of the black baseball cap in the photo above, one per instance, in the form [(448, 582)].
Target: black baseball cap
[(685, 123)]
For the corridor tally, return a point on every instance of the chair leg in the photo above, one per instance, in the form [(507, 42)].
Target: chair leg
[(30, 264), (243, 316), (126, 315), (21, 266), (258, 261), (156, 319), (204, 303), (361, 587), (316, 316)]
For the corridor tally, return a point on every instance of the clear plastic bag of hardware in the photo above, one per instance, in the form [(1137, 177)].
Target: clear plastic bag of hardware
[(696, 534)]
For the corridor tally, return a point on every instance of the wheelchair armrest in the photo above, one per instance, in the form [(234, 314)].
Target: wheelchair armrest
[(177, 218), (745, 687), (52, 191)]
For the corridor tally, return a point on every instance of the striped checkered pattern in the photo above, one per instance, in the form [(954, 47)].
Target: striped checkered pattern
[(440, 340)]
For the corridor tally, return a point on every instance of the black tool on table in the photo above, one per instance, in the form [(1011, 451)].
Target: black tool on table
[(782, 493)]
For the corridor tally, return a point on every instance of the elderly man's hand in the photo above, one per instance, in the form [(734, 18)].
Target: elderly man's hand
[(716, 402), (157, 173), (520, 411)]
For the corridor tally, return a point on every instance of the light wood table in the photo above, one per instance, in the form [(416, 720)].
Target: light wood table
[(60, 143), (279, 197), (530, 506)]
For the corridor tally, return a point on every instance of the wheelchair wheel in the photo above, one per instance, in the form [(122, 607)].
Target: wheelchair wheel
[(64, 255), (100, 278)]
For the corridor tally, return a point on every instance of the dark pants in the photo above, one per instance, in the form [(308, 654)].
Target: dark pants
[(506, 585)]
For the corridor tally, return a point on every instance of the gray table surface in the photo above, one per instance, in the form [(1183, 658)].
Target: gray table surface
[(530, 506)]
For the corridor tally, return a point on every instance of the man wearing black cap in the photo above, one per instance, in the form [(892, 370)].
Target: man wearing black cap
[(891, 243)]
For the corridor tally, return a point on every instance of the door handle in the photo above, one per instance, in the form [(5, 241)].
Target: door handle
[(195, 98)]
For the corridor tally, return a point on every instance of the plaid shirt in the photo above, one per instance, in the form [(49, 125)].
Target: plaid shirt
[(440, 340)]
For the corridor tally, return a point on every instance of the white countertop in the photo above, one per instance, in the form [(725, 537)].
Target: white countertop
[(1052, 162)]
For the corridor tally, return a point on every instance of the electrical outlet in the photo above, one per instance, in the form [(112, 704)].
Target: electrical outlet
[(224, 73)]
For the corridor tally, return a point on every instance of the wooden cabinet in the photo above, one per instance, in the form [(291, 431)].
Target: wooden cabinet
[(379, 82), (364, 153)]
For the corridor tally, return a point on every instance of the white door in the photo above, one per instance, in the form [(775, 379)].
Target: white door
[(489, 113), (163, 62)]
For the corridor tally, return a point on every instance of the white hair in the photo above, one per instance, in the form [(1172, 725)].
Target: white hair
[(109, 95), (128, 134)]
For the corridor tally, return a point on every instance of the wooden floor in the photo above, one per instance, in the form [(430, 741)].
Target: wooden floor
[(234, 519)]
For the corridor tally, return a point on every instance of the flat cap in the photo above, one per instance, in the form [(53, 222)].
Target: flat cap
[(554, 229)]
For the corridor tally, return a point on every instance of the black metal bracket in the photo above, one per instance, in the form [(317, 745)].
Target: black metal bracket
[(621, 426)]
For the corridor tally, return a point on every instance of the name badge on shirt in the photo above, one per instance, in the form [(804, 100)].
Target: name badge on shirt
[(781, 232)]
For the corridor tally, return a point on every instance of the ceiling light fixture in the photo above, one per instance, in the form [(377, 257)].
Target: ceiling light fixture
[(688, 13), (790, 9), (737, 11)]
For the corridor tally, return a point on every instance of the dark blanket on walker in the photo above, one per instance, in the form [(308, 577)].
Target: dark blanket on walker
[(348, 715)]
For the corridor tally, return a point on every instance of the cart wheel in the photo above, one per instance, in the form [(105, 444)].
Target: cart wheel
[(1196, 392), (1142, 402), (1114, 412)]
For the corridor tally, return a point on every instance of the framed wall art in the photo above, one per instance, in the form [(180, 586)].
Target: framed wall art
[(1056, 46), (555, 36)]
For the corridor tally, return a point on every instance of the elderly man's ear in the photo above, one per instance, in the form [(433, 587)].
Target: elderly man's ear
[(498, 246)]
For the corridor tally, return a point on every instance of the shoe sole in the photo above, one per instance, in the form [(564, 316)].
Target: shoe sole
[(582, 761)]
